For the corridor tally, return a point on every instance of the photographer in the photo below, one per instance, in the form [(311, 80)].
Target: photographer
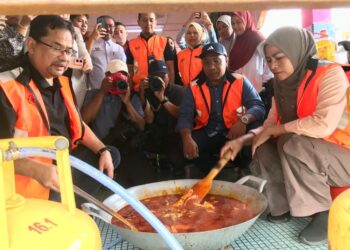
[(103, 110), (161, 101), (102, 106)]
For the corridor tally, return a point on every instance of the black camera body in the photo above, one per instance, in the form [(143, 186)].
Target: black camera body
[(120, 85), (155, 84)]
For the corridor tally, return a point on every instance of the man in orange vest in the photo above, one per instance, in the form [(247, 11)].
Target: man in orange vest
[(217, 106), (148, 47), (40, 102)]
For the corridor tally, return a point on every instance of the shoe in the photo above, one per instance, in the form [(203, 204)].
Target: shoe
[(279, 218), (315, 233)]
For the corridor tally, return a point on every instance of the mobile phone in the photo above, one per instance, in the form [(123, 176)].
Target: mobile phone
[(101, 20), (76, 63), (197, 15)]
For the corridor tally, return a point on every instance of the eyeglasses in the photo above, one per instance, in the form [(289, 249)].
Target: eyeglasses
[(59, 50)]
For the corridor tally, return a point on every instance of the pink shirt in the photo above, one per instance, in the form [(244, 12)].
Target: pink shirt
[(330, 106)]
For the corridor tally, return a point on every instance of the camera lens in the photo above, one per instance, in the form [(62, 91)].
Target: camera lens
[(122, 85), (155, 83)]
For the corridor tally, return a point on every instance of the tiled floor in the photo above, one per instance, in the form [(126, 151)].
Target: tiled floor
[(261, 236)]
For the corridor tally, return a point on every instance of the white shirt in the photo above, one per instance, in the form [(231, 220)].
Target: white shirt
[(256, 70), (102, 53)]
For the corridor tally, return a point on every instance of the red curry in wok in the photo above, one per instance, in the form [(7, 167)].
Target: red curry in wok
[(213, 213)]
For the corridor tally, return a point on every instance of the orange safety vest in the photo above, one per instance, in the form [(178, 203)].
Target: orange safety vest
[(141, 50), (189, 64), (307, 102), (231, 101), (30, 123)]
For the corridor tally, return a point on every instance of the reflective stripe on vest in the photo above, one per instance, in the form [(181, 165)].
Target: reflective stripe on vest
[(189, 64), (31, 124), (141, 50), (230, 105)]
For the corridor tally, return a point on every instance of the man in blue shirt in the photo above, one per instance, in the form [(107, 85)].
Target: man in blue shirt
[(218, 105)]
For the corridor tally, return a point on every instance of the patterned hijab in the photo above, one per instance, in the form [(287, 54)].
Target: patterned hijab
[(298, 45), (245, 44), (228, 43)]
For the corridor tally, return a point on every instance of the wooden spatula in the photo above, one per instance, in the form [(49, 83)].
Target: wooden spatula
[(202, 188), (105, 208)]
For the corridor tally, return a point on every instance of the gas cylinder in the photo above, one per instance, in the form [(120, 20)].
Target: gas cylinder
[(339, 222), (36, 224)]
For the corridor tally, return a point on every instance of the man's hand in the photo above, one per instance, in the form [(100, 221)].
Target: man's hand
[(98, 32), (106, 85), (87, 66), (105, 163), (238, 129), (160, 93), (190, 148), (47, 176), (126, 97), (144, 84)]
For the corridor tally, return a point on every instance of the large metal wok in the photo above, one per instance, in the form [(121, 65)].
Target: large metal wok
[(213, 239)]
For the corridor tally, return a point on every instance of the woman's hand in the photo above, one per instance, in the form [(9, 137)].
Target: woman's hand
[(267, 133), (234, 145)]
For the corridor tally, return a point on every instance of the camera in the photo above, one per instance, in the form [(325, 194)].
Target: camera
[(155, 83), (120, 83)]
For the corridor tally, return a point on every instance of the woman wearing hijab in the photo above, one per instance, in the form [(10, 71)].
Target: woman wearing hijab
[(303, 148), (244, 56), (189, 63), (226, 34)]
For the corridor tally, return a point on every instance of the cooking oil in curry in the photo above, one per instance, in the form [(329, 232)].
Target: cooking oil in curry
[(214, 212)]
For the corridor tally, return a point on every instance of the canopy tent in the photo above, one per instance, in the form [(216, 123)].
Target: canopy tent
[(21, 7)]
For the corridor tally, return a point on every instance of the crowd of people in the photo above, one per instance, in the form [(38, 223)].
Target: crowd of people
[(279, 110)]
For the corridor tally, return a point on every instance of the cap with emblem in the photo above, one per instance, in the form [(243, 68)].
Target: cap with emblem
[(213, 48), (117, 66), (157, 66)]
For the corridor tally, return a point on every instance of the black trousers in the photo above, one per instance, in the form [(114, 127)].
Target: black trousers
[(82, 180), (209, 149)]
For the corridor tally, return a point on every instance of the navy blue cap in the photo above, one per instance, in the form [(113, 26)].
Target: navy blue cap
[(213, 48), (157, 66)]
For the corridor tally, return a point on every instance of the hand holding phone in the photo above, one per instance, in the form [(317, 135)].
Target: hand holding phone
[(76, 63), (197, 15)]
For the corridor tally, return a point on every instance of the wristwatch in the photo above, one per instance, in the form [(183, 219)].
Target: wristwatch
[(165, 100), (99, 153), (244, 119)]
